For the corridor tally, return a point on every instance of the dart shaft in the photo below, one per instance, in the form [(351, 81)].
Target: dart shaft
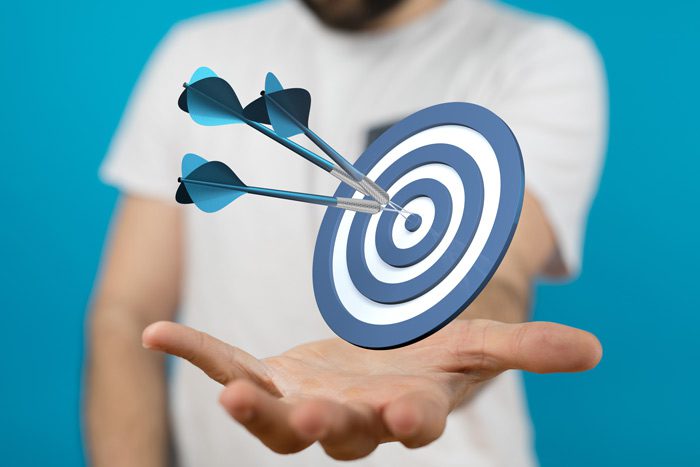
[(291, 145), (283, 194), (333, 154), (362, 183), (318, 141)]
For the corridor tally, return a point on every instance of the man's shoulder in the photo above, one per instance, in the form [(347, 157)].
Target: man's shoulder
[(246, 23), (520, 28)]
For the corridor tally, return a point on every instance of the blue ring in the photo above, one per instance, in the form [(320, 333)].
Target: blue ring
[(468, 171), (510, 163), (403, 257)]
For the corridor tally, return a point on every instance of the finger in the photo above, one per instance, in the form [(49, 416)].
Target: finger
[(416, 419), (263, 415), (538, 347), (345, 431), (220, 361)]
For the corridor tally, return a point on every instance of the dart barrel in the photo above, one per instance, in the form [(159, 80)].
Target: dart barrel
[(384, 281)]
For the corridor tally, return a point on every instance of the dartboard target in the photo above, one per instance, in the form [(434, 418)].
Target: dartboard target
[(382, 281)]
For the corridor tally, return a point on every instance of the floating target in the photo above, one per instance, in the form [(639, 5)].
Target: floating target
[(384, 280)]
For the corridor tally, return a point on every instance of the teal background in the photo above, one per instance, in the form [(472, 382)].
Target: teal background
[(67, 70)]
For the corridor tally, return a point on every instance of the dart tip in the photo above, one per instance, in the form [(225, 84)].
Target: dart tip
[(184, 85), (179, 179), (262, 93)]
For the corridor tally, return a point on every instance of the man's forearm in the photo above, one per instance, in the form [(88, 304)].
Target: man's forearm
[(508, 295), (501, 301), (126, 396)]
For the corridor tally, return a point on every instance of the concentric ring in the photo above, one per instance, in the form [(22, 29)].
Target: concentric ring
[(387, 247), (386, 292), (379, 285)]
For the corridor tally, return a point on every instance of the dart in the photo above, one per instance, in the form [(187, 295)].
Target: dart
[(287, 110), (211, 101), (213, 185)]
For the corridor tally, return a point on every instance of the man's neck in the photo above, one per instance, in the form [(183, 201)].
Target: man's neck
[(404, 13)]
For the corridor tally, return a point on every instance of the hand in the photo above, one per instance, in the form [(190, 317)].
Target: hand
[(351, 399)]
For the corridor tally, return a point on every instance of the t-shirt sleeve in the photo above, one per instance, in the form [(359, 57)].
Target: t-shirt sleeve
[(554, 98), (144, 155)]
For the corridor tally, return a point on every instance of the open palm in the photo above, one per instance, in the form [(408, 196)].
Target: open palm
[(351, 399)]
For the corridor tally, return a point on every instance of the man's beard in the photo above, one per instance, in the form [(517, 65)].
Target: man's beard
[(351, 15)]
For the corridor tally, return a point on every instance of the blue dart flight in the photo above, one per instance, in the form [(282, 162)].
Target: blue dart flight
[(211, 101), (287, 110), (211, 186)]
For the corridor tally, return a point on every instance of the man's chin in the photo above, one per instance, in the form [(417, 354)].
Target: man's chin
[(350, 15)]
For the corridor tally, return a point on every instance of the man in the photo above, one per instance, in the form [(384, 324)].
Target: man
[(244, 274)]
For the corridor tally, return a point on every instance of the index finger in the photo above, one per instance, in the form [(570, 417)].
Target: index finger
[(220, 361)]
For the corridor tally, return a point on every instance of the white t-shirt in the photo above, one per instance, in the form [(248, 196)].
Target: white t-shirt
[(248, 267)]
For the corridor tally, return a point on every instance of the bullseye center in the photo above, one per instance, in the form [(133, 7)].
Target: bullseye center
[(421, 209), (413, 222)]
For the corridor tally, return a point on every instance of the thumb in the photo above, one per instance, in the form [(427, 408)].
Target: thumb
[(539, 347), (220, 361)]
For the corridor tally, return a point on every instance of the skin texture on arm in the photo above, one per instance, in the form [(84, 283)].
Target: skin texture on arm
[(125, 397), (507, 297), (351, 399)]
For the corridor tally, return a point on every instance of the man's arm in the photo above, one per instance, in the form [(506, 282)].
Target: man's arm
[(507, 296), (126, 395)]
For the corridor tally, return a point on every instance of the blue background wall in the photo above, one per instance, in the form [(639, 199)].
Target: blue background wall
[(67, 70)]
